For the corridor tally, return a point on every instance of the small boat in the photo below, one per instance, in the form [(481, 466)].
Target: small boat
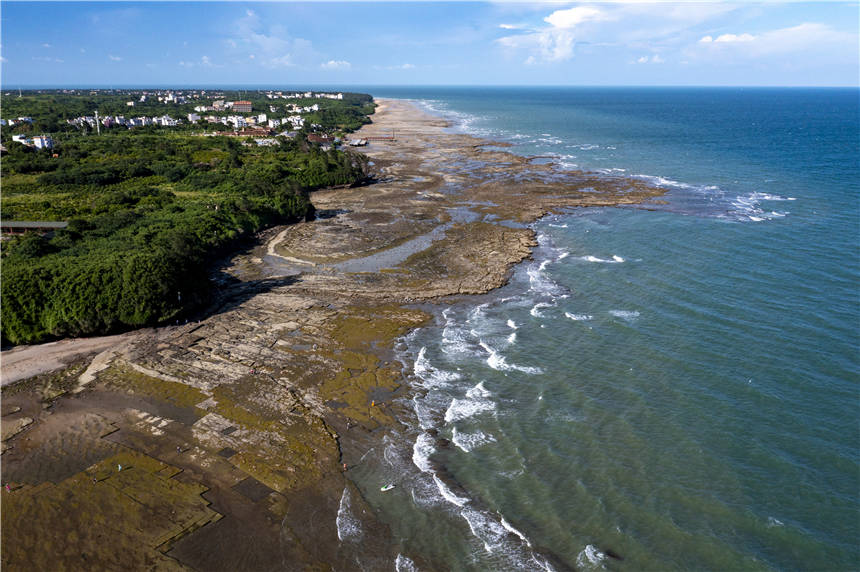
[(387, 487)]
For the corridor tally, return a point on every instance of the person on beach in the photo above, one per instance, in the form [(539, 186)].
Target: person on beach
[(9, 489)]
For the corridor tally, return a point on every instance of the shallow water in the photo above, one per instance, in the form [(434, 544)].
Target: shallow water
[(675, 386)]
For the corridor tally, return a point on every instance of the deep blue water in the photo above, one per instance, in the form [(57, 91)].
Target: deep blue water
[(677, 385)]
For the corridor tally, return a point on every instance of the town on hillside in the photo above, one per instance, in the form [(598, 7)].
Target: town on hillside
[(261, 115)]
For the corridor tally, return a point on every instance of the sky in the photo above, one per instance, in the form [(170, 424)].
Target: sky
[(176, 44)]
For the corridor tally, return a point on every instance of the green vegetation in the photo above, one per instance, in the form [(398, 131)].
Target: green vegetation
[(147, 213)]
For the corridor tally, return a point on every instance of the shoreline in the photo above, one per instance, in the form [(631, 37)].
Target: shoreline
[(259, 405)]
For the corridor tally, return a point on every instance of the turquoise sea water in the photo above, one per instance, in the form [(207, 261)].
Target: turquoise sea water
[(671, 388)]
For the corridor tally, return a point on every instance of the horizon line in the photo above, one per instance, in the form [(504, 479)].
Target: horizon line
[(9, 86)]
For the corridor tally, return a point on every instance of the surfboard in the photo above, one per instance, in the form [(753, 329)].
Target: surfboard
[(387, 487)]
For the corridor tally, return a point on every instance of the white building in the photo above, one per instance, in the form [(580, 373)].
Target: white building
[(43, 142), (129, 103), (20, 139), (193, 117)]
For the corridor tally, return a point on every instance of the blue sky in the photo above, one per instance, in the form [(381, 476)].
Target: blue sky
[(415, 43)]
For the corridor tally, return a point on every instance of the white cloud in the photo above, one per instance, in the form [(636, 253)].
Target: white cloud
[(655, 59), (508, 27), (807, 38), (556, 42), (3, 60), (572, 17), (272, 44), (46, 45), (733, 38), (636, 25), (206, 62), (336, 65), (48, 59), (114, 58)]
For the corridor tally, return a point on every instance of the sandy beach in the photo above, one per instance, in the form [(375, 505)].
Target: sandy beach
[(226, 444)]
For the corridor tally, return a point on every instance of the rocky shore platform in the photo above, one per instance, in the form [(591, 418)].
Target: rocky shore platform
[(226, 443)]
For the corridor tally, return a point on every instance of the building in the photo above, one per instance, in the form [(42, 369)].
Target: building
[(43, 142), (193, 117), (242, 106)]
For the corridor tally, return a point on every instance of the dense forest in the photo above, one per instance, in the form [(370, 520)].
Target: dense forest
[(147, 212)]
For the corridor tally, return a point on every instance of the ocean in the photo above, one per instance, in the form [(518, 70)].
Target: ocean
[(672, 386)]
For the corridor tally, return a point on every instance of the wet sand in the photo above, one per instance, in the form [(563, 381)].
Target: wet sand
[(220, 445)]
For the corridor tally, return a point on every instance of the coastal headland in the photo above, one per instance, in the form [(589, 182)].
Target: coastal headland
[(226, 443)]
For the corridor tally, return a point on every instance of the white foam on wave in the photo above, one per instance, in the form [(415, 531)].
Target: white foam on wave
[(590, 557), (539, 282), (771, 522), (664, 182), (448, 494), (535, 311), (562, 256), (348, 527), (490, 532), (423, 411), (557, 225), (628, 315), (478, 391), (404, 564), (749, 206), (460, 409), (421, 451), (468, 442), (454, 340), (432, 377), (507, 526), (512, 325), (498, 362), (578, 317), (512, 339), (769, 197), (614, 260)]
